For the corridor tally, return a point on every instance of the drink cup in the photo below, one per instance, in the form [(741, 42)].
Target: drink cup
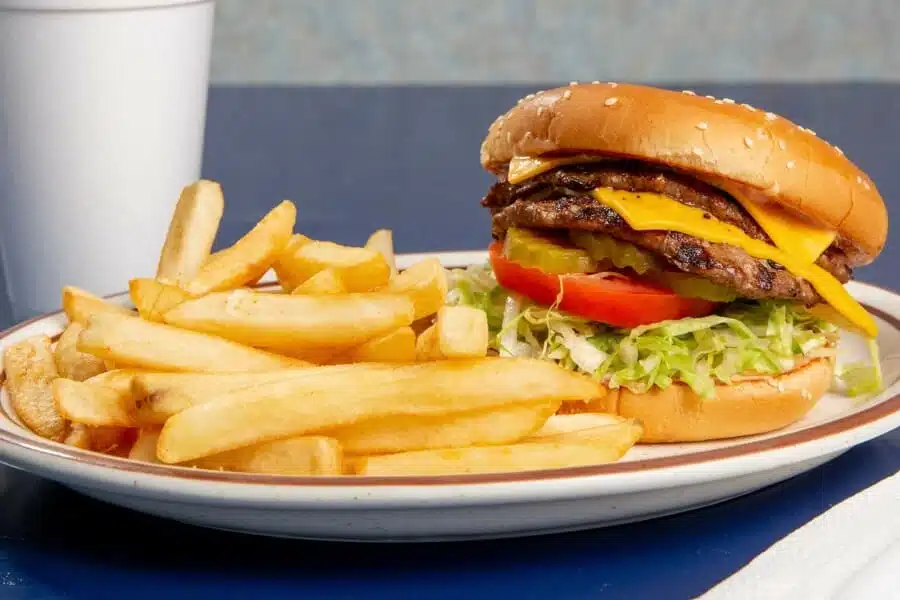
[(102, 114)]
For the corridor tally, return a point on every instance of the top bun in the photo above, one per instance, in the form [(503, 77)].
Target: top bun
[(716, 139)]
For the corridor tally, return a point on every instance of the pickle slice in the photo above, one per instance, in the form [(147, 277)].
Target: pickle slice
[(693, 286), (602, 247), (550, 255)]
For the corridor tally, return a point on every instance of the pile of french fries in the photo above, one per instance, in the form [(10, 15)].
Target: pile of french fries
[(348, 367)]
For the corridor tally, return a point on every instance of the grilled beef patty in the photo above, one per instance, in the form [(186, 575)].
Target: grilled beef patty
[(561, 199)]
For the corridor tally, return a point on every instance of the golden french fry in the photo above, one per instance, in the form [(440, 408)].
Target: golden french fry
[(138, 343), (398, 346), (426, 283), (382, 241), (144, 448), (80, 305), (153, 298), (112, 440), (313, 455), (503, 425), (326, 281), (79, 436), (330, 397), (288, 283), (72, 364), (427, 345), (293, 323), (192, 232), (250, 257), (95, 405), (30, 373), (611, 431), (462, 332), (360, 269), (486, 459)]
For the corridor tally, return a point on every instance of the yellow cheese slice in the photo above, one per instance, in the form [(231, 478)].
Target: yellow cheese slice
[(523, 168), (647, 211)]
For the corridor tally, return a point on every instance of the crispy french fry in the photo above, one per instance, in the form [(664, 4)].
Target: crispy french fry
[(282, 273), (313, 455), (250, 257), (398, 346), (596, 428), (94, 405), (72, 364), (80, 305), (153, 298), (292, 323), (426, 283), (330, 397), (192, 232), (144, 448), (79, 436), (383, 241), (30, 372), (462, 332), (360, 269), (327, 281), (158, 347), (503, 425), (486, 459), (427, 345)]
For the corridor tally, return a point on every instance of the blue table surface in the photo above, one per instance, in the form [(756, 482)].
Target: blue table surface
[(354, 159)]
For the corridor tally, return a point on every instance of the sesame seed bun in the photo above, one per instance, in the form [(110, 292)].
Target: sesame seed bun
[(716, 139), (749, 407)]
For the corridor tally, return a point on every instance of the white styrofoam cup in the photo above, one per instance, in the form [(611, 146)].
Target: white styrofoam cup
[(102, 115)]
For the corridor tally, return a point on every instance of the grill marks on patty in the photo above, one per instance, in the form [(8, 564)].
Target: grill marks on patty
[(561, 199)]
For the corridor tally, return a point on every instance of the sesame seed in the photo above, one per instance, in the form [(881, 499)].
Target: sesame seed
[(748, 107), (529, 96), (866, 185), (520, 100), (567, 94), (595, 83), (771, 116), (727, 100), (718, 102), (573, 83), (782, 144), (858, 179), (710, 97), (702, 125), (748, 141), (688, 93), (610, 101), (612, 84), (697, 151), (791, 164), (839, 151), (811, 132)]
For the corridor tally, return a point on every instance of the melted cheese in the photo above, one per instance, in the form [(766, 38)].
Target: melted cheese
[(647, 211), (523, 168)]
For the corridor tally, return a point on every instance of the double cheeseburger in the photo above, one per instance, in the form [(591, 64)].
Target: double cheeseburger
[(688, 252)]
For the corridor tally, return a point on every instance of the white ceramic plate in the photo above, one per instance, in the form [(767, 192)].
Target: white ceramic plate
[(650, 481)]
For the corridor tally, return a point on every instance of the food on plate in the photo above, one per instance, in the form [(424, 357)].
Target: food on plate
[(192, 232), (688, 253), (351, 367)]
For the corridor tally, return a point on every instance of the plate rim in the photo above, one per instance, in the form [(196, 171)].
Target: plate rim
[(26, 441)]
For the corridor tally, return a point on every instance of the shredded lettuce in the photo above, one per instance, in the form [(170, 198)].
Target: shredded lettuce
[(745, 338)]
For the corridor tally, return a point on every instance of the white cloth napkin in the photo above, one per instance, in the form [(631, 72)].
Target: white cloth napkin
[(850, 552)]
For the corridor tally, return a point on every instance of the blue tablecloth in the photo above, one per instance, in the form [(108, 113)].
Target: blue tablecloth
[(354, 159)]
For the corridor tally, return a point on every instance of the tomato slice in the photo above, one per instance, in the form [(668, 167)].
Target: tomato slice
[(616, 301)]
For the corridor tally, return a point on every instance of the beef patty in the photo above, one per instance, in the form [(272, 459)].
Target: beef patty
[(561, 199)]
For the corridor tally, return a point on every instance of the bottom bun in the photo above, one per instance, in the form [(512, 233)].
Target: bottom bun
[(749, 407)]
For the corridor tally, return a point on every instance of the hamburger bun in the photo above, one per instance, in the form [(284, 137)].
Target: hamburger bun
[(753, 406), (718, 139)]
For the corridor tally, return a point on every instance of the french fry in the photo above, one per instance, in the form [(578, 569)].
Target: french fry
[(192, 232), (382, 241), (503, 425), (398, 346), (130, 342), (486, 459), (112, 440), (292, 323), (72, 364), (144, 448), (594, 428), (331, 397), (79, 436), (427, 345), (426, 283), (153, 297), (313, 455), (30, 373), (282, 272), (462, 332), (94, 405), (80, 305), (325, 282), (250, 257), (360, 269)]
